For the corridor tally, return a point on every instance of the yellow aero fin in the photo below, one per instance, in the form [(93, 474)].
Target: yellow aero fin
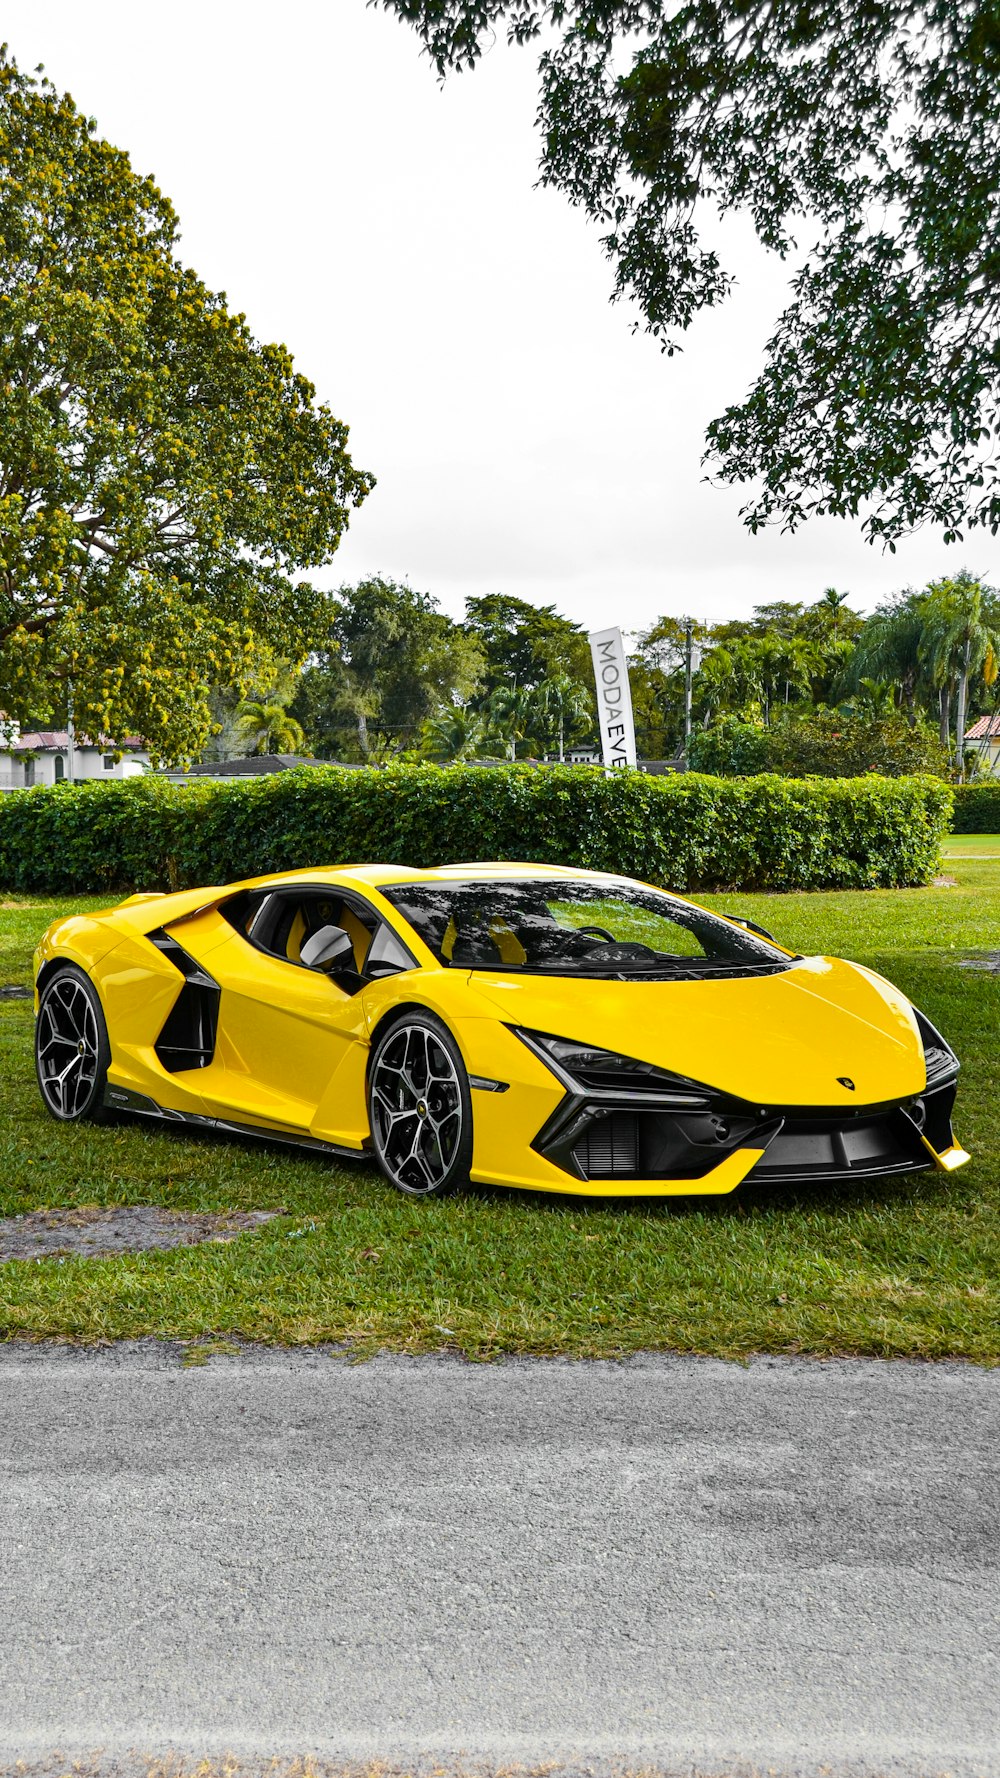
[(949, 1158)]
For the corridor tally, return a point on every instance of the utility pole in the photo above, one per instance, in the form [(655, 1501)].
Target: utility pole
[(688, 628)]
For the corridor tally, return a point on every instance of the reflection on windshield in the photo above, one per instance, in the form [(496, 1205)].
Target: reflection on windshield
[(567, 927)]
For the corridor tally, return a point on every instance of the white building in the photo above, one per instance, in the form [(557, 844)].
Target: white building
[(43, 758), (986, 735)]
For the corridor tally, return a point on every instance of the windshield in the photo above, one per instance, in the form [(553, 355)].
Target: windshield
[(568, 927)]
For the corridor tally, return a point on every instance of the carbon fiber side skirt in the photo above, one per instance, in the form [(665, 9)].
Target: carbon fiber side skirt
[(138, 1105)]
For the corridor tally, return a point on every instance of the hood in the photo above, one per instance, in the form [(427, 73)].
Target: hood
[(778, 1039)]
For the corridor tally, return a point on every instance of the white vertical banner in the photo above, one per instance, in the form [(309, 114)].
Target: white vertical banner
[(614, 698)]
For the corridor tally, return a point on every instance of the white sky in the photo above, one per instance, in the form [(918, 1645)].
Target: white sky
[(387, 230)]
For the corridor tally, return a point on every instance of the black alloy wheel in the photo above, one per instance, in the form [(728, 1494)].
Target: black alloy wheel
[(72, 1052), (420, 1106)]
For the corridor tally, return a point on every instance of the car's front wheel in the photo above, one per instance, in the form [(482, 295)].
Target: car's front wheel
[(420, 1106), (72, 1052)]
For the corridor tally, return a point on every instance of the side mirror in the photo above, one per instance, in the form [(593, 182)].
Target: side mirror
[(751, 926), (330, 945)]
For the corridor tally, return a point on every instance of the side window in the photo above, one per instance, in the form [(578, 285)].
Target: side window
[(242, 910), (280, 921)]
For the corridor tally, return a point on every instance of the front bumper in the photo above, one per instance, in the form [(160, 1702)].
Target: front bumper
[(606, 1145)]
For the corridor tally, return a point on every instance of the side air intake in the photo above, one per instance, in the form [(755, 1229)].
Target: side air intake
[(188, 1037)]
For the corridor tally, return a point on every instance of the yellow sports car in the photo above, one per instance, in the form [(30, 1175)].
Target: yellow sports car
[(522, 1024)]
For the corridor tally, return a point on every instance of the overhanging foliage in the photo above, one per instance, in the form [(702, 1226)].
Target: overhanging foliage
[(861, 138)]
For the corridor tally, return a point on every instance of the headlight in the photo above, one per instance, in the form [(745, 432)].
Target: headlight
[(940, 1060), (585, 1068)]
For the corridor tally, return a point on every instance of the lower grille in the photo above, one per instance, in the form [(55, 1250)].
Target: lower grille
[(622, 1144), (610, 1147), (824, 1145)]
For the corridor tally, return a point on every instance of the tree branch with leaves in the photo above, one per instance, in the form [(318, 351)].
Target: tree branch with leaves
[(861, 138)]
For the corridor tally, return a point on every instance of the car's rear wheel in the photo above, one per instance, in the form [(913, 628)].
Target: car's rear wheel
[(72, 1052), (420, 1106)]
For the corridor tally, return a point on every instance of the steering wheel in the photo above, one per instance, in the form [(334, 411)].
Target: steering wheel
[(601, 931)]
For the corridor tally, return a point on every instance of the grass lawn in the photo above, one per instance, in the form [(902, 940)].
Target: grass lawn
[(972, 845), (908, 1267)]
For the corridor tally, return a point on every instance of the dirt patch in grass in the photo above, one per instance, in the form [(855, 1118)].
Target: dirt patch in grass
[(124, 1228), (987, 962)]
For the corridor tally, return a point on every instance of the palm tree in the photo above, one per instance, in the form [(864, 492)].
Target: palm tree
[(562, 706), (715, 684), (829, 609), (962, 640), (454, 733), (268, 728), (799, 660), (510, 716), (892, 647), (874, 699), (772, 669)]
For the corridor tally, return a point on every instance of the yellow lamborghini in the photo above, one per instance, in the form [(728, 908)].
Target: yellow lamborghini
[(527, 1025)]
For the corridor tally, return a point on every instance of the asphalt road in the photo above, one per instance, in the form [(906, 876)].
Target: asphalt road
[(671, 1562)]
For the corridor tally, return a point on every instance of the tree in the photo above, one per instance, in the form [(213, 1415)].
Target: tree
[(456, 732), (563, 710), (523, 644), (722, 684), (873, 700), (269, 728), (962, 640), (163, 476), (657, 674), (890, 647), (391, 660), (658, 709), (869, 128), (765, 672), (664, 644), (780, 617), (511, 714), (268, 680), (831, 614)]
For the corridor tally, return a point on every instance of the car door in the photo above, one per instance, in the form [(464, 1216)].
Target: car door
[(285, 1031)]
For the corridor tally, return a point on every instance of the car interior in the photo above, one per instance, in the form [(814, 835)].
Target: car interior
[(286, 923)]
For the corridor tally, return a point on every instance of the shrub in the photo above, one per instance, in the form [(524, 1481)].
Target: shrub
[(825, 743), (686, 832), (977, 807), (731, 747)]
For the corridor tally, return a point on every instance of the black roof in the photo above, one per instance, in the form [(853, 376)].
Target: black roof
[(255, 767)]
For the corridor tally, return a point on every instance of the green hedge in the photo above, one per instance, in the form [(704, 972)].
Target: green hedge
[(687, 832), (977, 807)]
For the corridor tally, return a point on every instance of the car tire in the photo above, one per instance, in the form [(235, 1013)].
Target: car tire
[(72, 1050), (420, 1106)]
